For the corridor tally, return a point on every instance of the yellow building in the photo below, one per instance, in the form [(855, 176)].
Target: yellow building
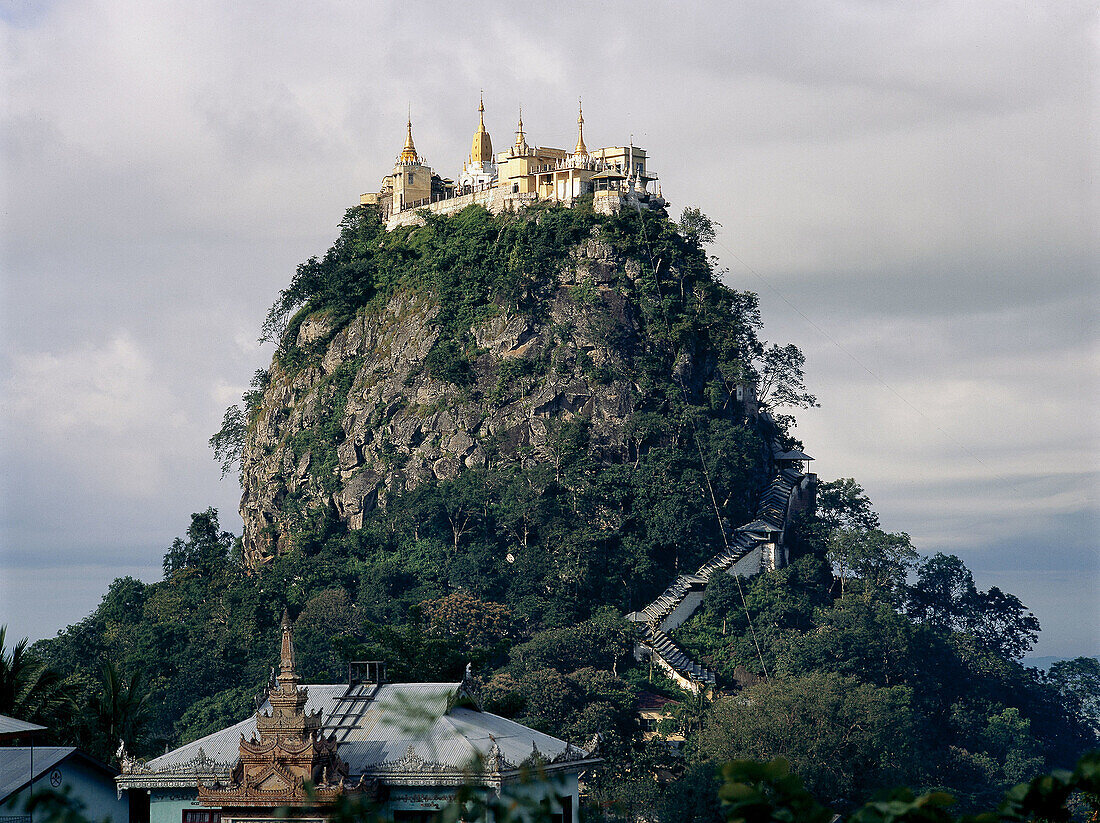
[(412, 184), (615, 176)]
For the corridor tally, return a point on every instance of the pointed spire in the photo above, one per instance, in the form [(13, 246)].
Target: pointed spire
[(580, 150), (521, 138), (408, 154), (481, 149), (288, 678)]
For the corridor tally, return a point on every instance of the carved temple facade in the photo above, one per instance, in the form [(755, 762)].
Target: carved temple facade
[(292, 751)]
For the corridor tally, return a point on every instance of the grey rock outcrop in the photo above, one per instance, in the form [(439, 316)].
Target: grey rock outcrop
[(366, 418)]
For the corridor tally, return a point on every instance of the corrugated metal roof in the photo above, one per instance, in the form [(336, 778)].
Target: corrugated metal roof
[(378, 728), (11, 727), (15, 765)]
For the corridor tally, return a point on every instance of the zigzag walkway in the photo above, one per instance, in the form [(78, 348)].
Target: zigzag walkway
[(680, 600)]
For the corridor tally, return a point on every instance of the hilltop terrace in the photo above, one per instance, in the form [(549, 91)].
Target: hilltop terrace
[(615, 176)]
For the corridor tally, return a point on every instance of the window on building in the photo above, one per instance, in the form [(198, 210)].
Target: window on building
[(202, 816), (410, 177), (566, 803)]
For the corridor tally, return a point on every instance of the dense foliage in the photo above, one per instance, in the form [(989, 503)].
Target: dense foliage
[(860, 662), (885, 668)]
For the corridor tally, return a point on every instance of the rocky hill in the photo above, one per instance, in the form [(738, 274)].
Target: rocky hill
[(365, 401), (516, 443)]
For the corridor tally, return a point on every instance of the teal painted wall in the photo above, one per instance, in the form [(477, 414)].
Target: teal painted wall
[(91, 787), (167, 805), (554, 787)]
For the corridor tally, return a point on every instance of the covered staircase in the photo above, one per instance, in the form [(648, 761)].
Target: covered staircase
[(757, 546)]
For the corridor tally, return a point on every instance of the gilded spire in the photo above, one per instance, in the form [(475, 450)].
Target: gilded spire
[(288, 678), (580, 150), (408, 154), (521, 138), (481, 150)]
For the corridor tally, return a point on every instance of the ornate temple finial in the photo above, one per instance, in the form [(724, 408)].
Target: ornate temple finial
[(580, 150), (521, 138), (287, 676), (481, 109), (408, 154)]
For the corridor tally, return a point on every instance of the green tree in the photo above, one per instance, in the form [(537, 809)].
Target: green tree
[(1078, 682), (845, 738), (29, 689), (121, 712), (876, 560), (945, 597), (782, 381), (696, 227), (228, 441), (327, 617), (206, 549), (843, 503), (604, 641)]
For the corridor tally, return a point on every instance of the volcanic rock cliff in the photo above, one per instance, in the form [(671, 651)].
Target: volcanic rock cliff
[(374, 411)]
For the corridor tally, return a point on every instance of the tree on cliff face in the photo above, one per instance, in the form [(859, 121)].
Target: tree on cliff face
[(228, 442), (782, 381), (205, 550)]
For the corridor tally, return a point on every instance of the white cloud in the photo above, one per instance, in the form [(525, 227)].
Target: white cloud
[(101, 409)]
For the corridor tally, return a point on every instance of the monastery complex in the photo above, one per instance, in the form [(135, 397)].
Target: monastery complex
[(615, 176)]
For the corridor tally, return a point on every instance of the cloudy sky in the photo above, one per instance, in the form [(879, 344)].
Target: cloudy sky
[(909, 186)]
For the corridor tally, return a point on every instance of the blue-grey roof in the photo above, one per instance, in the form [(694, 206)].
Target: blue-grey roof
[(793, 454), (394, 729), (10, 727), (15, 765)]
